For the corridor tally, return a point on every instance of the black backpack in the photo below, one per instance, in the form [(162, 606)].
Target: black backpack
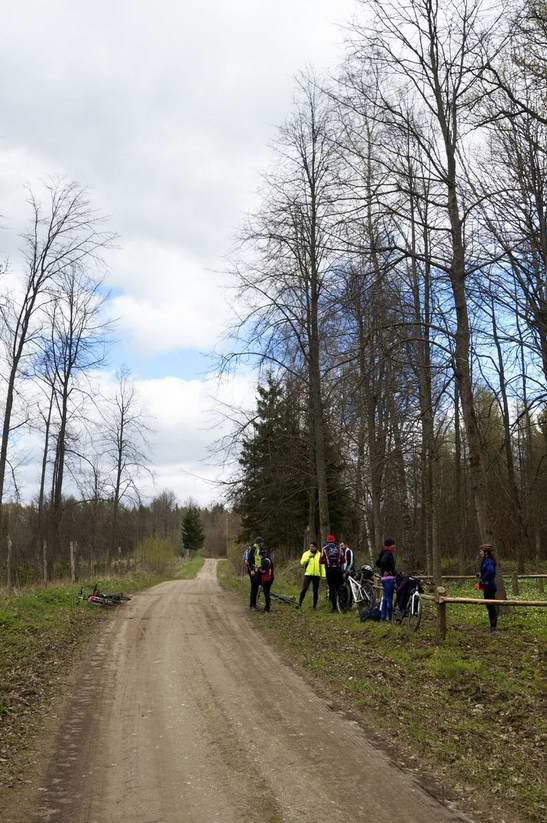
[(371, 614)]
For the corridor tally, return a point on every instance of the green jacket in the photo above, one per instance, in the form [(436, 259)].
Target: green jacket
[(312, 566)]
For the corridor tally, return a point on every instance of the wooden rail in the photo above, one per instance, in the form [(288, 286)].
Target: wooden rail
[(489, 602), (514, 579), (441, 600)]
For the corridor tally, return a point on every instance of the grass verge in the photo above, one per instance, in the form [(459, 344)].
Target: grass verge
[(469, 708), (40, 628), (187, 569)]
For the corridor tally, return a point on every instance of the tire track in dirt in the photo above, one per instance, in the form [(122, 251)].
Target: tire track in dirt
[(185, 714)]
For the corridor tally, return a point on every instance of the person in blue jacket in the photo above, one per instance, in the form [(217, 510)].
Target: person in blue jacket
[(487, 582)]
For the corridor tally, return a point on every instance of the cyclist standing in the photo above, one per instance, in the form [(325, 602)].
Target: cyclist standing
[(487, 582), (332, 557), (386, 558), (349, 558), (313, 572), (253, 562), (265, 574)]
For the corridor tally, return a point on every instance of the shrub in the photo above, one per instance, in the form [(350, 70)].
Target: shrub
[(155, 554)]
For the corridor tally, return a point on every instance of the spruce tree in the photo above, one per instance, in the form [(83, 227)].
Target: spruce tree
[(272, 494), (192, 530)]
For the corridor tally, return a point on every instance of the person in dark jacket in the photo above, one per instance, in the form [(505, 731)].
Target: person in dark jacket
[(333, 558), (253, 566), (386, 558), (487, 582)]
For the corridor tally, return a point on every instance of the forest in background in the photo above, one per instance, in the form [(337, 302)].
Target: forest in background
[(392, 287)]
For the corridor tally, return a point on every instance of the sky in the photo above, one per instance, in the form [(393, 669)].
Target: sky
[(166, 111)]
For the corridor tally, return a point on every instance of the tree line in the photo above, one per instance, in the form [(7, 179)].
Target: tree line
[(393, 289)]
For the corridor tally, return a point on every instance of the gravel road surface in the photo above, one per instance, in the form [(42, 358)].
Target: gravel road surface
[(185, 714)]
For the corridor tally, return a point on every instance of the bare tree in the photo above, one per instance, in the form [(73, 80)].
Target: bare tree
[(62, 235), (77, 346), (125, 439)]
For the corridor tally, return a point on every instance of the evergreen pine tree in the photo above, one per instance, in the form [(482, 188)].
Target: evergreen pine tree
[(272, 495), (192, 530)]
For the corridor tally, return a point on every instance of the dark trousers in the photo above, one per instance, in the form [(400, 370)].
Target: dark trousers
[(490, 594), (314, 580), (255, 585), (334, 581), (266, 589)]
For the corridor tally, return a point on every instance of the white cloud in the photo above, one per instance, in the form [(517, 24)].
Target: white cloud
[(165, 110)]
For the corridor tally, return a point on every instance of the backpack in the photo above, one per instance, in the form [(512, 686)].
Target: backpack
[(371, 614), (247, 554), (332, 554), (266, 570)]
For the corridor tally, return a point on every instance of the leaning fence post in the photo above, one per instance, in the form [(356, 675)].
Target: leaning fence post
[(441, 612), (72, 562), (514, 583), (44, 560), (8, 562)]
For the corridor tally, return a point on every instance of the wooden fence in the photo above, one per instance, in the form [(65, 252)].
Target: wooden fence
[(513, 577), (441, 600)]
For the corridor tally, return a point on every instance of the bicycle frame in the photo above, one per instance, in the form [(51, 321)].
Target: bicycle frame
[(358, 592), (414, 602)]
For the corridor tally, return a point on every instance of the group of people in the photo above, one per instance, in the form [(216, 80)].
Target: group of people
[(336, 559), (331, 562)]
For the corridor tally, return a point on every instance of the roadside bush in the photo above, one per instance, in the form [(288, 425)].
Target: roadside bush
[(155, 554), (234, 553)]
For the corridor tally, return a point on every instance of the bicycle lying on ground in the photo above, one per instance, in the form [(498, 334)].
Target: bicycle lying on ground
[(357, 590), (99, 598)]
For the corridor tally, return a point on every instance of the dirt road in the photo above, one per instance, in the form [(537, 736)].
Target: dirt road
[(185, 714)]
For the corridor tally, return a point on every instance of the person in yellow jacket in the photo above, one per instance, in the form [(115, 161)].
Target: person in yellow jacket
[(313, 572)]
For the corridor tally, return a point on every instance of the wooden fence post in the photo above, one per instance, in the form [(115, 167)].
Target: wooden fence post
[(8, 563), (514, 583), (44, 560), (72, 562), (541, 587), (441, 612)]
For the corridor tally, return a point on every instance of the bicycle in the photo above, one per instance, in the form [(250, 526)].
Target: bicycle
[(357, 589), (99, 598), (409, 611)]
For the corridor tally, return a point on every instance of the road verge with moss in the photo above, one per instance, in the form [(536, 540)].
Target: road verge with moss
[(467, 710)]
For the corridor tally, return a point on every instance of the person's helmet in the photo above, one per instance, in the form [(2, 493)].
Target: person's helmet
[(331, 538), (259, 541)]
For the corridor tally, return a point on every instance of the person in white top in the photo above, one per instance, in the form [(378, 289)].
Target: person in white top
[(349, 560)]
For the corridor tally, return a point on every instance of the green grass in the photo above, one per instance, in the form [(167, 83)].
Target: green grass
[(469, 707), (187, 569)]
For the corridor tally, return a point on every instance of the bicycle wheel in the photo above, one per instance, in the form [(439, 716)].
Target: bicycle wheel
[(415, 612), (344, 598)]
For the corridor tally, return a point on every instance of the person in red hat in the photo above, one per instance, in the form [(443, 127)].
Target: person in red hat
[(332, 557)]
